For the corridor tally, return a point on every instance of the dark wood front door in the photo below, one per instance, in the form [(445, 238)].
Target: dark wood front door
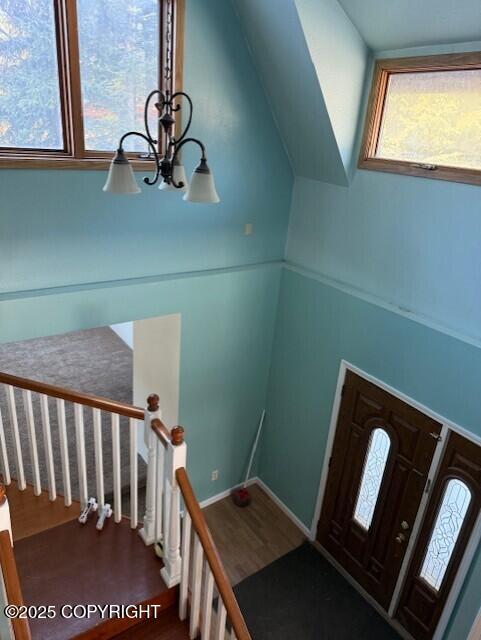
[(451, 516), (382, 453)]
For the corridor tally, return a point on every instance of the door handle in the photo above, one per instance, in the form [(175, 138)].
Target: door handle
[(400, 538)]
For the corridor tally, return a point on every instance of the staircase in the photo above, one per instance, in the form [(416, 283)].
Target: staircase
[(161, 571)]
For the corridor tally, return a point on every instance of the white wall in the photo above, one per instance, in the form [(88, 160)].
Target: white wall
[(156, 343), (125, 331)]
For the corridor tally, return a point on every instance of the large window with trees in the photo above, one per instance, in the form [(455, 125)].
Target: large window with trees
[(424, 118), (74, 76)]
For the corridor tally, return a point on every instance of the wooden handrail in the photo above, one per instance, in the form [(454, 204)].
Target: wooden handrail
[(222, 582), (20, 626), (161, 431), (112, 406)]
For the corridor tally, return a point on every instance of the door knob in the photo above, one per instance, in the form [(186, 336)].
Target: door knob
[(400, 538)]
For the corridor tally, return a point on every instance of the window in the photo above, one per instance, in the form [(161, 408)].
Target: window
[(372, 475), (449, 521), (75, 75), (424, 118)]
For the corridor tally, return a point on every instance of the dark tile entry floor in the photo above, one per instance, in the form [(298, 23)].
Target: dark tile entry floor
[(302, 597)]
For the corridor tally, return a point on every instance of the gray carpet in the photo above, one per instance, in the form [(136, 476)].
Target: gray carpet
[(302, 597), (95, 361)]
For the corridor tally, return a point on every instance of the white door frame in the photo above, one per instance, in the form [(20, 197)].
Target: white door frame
[(447, 426)]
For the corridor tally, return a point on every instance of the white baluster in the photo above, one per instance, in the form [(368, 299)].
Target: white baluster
[(207, 604), (32, 441), (5, 520), (81, 462), (12, 411), (99, 461), (3, 452), (220, 621), (134, 475), (184, 579), (62, 432), (116, 464), (172, 560), (161, 517), (47, 445), (147, 532), (196, 589)]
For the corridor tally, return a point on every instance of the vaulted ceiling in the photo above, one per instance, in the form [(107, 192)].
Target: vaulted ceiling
[(315, 100), (397, 24), (312, 57)]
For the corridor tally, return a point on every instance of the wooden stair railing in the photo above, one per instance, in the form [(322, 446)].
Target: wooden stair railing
[(19, 627), (38, 410), (205, 576), (166, 452), (166, 480)]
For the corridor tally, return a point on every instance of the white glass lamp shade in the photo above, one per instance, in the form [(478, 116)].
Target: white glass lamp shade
[(202, 186), (121, 176), (179, 176)]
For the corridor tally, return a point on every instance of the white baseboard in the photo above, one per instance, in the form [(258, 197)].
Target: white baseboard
[(292, 516), (224, 494)]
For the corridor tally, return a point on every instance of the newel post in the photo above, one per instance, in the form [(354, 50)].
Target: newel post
[(5, 520), (147, 532), (175, 458)]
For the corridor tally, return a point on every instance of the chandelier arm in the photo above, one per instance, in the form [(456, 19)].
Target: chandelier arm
[(178, 147), (154, 150), (146, 112), (189, 120)]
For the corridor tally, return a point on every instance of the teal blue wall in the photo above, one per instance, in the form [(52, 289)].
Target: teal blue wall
[(384, 273), (59, 228), (411, 242), (319, 325), (226, 335), (61, 237)]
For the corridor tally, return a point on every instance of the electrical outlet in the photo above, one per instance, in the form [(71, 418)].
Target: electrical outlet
[(215, 475), (248, 229)]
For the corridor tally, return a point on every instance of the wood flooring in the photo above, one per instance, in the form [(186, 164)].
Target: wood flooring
[(250, 538), (31, 514)]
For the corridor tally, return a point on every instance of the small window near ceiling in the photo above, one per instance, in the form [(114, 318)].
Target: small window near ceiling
[(424, 118), (451, 515), (372, 475), (75, 75)]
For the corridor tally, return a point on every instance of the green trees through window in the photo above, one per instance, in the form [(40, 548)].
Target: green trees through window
[(30, 106), (74, 75), (119, 44)]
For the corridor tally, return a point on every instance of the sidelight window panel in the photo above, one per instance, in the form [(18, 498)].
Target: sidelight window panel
[(373, 473), (448, 525)]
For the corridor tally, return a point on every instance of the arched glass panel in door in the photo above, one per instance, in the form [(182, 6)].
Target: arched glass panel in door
[(451, 515), (374, 467)]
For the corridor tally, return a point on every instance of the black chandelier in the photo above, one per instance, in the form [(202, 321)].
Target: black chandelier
[(168, 165)]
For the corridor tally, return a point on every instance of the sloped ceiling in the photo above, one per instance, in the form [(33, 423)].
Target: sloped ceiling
[(397, 24), (312, 63)]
